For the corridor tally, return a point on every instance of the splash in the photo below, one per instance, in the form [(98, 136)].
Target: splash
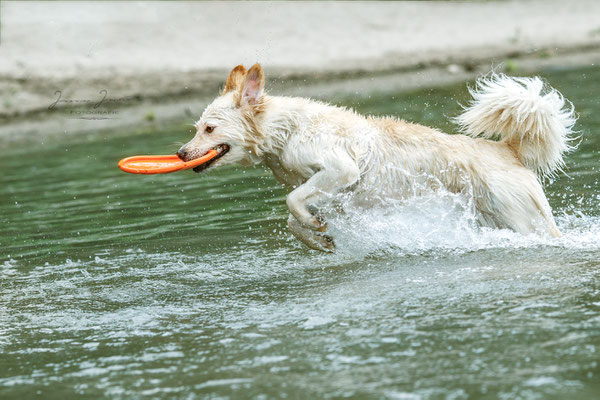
[(446, 222)]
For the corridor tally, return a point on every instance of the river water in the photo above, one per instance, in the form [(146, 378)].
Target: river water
[(124, 286)]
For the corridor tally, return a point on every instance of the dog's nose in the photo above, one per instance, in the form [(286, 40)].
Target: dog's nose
[(182, 153)]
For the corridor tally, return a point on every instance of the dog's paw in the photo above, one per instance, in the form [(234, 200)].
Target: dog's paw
[(327, 243), (319, 224), (310, 237), (314, 223)]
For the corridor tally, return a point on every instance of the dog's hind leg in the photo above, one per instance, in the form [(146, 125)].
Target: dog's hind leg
[(520, 206), (314, 240)]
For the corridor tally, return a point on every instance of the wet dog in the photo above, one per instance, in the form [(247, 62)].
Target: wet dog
[(321, 152)]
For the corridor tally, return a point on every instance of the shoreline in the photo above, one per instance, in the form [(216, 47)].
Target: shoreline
[(139, 112), (175, 58)]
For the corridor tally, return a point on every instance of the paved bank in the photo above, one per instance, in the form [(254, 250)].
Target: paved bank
[(151, 52)]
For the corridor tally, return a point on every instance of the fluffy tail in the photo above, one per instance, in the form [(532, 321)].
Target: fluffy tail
[(530, 116)]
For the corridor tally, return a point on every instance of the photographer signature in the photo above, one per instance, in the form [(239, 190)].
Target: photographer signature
[(104, 99)]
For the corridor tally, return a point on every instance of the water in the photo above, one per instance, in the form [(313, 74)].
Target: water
[(121, 286)]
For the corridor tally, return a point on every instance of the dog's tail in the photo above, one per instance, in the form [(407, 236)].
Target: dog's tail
[(531, 117)]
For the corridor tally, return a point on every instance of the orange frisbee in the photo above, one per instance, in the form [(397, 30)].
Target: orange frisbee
[(162, 164)]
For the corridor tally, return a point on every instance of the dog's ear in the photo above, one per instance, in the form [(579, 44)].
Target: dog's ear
[(254, 84), (235, 79)]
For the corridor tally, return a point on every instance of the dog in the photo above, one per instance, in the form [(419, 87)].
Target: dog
[(321, 152)]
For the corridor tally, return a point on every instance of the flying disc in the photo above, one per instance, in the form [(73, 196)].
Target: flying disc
[(162, 164)]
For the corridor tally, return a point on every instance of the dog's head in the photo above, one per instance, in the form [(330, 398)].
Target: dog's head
[(229, 124)]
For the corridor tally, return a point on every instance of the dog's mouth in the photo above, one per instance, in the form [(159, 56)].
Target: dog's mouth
[(222, 149)]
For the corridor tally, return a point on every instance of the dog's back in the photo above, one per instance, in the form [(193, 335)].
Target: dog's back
[(400, 159)]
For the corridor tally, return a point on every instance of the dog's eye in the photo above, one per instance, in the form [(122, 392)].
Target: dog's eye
[(209, 129)]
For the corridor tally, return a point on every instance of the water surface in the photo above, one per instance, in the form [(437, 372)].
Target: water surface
[(121, 286)]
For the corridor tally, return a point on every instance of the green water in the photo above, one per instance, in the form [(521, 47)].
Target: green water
[(183, 285)]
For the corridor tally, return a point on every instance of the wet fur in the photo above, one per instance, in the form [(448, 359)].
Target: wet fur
[(319, 150)]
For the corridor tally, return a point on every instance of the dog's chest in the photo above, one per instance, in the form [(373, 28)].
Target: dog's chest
[(285, 174)]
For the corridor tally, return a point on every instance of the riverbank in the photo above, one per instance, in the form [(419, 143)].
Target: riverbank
[(105, 72)]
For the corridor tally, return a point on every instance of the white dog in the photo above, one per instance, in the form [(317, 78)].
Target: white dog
[(320, 151)]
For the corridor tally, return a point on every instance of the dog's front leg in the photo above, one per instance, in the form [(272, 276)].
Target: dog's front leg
[(320, 189)]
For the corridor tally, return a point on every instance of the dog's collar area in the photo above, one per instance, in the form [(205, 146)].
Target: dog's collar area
[(222, 149)]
